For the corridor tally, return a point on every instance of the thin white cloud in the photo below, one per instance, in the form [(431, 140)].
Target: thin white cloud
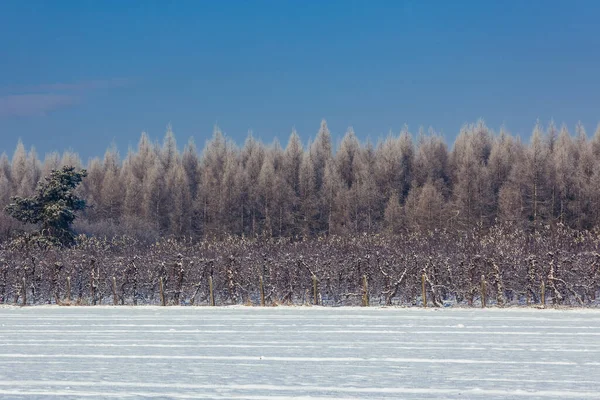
[(39, 100), (34, 105), (78, 86)]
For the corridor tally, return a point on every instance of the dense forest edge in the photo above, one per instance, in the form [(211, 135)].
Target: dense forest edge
[(491, 220)]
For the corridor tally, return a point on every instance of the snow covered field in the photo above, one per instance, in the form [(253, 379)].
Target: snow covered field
[(281, 353)]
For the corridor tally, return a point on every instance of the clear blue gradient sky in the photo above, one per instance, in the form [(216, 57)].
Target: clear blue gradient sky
[(82, 74)]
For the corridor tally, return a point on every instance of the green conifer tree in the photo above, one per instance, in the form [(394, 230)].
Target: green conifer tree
[(53, 205)]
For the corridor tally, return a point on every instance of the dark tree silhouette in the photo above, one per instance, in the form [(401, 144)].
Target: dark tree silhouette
[(53, 205)]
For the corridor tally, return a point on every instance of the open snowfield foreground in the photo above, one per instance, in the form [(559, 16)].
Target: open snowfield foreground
[(298, 352)]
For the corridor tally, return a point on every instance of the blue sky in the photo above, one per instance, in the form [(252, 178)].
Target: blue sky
[(82, 74)]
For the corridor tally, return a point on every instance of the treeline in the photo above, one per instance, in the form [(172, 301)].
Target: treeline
[(400, 185)]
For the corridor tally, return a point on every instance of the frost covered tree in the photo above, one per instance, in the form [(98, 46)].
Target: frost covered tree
[(191, 165), (563, 172), (179, 208), (235, 205), (258, 190), (4, 180), (214, 158), (394, 215), (308, 196), (393, 163), (532, 175), (252, 157), (472, 191), (25, 171), (365, 196), (335, 199), (135, 175), (320, 154), (111, 188), (267, 195), (585, 160), (344, 158), (432, 162), (290, 173), (425, 208), (500, 164)]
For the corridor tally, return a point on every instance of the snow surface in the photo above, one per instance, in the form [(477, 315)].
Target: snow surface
[(298, 352)]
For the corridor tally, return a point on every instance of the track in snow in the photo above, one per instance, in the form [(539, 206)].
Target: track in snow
[(312, 353)]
